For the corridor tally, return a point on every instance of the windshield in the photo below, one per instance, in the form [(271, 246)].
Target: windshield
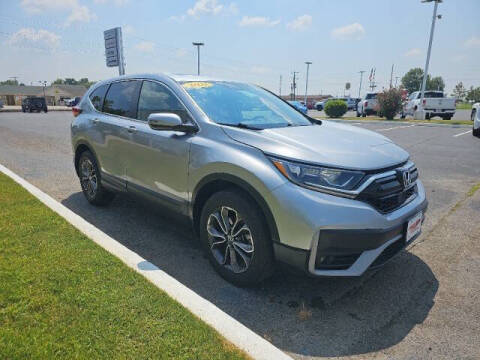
[(238, 104), (371, 96)]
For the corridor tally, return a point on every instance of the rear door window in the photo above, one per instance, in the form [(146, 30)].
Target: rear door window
[(122, 98), (97, 96), (157, 98)]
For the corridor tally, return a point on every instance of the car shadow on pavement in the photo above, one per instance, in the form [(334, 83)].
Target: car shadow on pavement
[(300, 315)]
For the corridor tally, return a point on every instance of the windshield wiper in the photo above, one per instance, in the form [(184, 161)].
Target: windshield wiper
[(243, 126)]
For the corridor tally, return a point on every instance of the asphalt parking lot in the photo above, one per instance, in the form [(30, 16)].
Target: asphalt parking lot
[(422, 304)]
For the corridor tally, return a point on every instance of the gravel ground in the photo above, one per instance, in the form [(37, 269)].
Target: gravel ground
[(423, 304)]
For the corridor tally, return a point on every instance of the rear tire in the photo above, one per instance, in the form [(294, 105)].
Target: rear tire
[(358, 114), (242, 257), (476, 132), (364, 114), (90, 181), (448, 117)]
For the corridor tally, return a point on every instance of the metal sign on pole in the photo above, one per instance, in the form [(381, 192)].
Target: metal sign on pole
[(114, 49)]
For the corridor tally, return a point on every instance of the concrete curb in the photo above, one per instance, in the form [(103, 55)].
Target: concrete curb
[(235, 332)]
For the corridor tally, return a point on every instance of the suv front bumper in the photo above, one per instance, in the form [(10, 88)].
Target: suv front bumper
[(327, 235)]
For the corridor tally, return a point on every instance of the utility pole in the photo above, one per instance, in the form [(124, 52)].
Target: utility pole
[(198, 44), (280, 87), (432, 29), (294, 85), (396, 80), (306, 81), (391, 77), (361, 77)]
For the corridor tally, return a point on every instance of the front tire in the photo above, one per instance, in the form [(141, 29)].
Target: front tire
[(90, 181), (237, 241), (472, 115)]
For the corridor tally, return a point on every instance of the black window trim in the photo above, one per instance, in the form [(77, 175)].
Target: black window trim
[(194, 122)]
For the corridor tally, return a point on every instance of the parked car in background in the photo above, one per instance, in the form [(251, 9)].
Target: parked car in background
[(299, 106), (434, 104), (476, 119), (1, 104), (30, 104), (319, 105), (73, 101), (260, 182), (368, 105)]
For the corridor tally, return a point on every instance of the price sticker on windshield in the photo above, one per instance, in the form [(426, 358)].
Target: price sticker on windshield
[(197, 85)]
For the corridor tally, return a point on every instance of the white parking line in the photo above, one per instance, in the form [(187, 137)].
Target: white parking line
[(234, 331), (397, 127), (466, 132)]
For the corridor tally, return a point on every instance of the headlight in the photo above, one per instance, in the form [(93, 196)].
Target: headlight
[(319, 178)]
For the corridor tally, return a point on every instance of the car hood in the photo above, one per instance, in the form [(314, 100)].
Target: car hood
[(331, 144)]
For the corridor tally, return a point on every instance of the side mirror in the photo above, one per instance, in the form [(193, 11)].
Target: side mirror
[(169, 122)]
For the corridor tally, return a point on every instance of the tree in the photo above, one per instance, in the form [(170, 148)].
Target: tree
[(9, 82), (390, 102), (473, 94), (459, 91), (412, 81), (58, 82), (72, 81), (435, 83)]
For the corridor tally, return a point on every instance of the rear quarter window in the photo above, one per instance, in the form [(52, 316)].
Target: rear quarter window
[(97, 96)]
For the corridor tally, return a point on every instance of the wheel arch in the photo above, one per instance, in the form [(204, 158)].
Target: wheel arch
[(217, 182), (80, 148)]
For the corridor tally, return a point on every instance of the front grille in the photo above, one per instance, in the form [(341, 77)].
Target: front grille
[(388, 253), (388, 193)]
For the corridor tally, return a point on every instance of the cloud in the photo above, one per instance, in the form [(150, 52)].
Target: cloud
[(179, 53), (260, 69), (145, 46), (81, 14), (258, 21), (353, 31), (472, 42), (128, 29), (207, 7), (115, 2), (300, 23), (413, 52), (32, 36), (78, 13)]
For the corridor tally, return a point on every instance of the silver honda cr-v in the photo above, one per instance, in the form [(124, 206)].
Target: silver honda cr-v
[(261, 182)]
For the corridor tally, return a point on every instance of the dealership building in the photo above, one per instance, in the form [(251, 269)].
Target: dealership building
[(54, 94)]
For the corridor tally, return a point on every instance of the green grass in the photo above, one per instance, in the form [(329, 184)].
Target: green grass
[(473, 189), (464, 106), (62, 296), (375, 118)]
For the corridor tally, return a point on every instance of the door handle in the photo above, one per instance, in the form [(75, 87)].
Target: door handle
[(95, 121), (132, 129)]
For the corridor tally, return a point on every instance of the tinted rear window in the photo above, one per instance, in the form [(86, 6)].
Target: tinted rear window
[(122, 98), (371, 96), (97, 96), (433, 94)]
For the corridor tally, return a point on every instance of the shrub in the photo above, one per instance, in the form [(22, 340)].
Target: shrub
[(335, 108), (389, 103)]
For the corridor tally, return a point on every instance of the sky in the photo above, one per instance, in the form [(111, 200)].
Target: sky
[(252, 41)]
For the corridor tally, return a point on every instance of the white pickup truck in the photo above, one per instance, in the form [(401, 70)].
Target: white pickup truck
[(434, 103)]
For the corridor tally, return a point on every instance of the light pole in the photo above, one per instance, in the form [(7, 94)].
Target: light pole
[(306, 81), (361, 77), (198, 44), (432, 29), (44, 83)]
